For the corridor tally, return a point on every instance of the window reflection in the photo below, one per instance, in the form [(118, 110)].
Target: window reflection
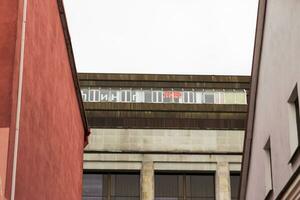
[(163, 95)]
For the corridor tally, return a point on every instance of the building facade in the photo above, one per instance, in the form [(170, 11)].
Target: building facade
[(271, 163), (163, 136), (42, 121)]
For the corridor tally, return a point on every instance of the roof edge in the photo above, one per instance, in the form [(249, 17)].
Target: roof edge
[(163, 77), (67, 38), (259, 36)]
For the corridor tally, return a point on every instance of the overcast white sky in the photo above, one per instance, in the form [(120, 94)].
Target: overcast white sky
[(163, 36)]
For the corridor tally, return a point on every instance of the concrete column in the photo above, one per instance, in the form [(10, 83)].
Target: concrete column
[(147, 181), (223, 191)]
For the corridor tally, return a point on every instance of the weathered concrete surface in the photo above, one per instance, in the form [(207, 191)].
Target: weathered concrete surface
[(223, 191), (161, 162), (154, 140), (147, 180)]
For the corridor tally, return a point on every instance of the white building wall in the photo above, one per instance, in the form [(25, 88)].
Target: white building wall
[(279, 73)]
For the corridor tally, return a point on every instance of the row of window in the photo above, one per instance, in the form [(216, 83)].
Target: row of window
[(164, 96), (167, 186)]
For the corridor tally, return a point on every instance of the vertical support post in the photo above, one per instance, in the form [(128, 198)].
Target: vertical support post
[(223, 190), (147, 180)]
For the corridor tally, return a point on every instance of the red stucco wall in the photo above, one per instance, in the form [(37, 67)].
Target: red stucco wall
[(51, 130), (8, 35), (51, 133), (9, 45)]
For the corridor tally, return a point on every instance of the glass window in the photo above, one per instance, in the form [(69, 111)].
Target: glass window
[(92, 186), (209, 98), (229, 97), (94, 95), (125, 186), (184, 186), (104, 95), (200, 187), (114, 97), (125, 95), (168, 96), (166, 187), (198, 97), (294, 124), (177, 96), (85, 94), (148, 96), (240, 97), (111, 186), (157, 96), (268, 169), (137, 96), (234, 184)]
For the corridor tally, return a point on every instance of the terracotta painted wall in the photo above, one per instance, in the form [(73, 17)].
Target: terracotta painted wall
[(9, 36), (51, 133), (51, 129)]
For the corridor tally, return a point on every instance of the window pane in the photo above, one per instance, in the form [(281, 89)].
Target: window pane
[(148, 96), (166, 186), (201, 186), (104, 95), (240, 97), (209, 98), (229, 97), (168, 96), (234, 183), (125, 186), (114, 96), (191, 97), (92, 185), (85, 93)]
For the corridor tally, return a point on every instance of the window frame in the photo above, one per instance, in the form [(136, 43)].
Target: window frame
[(294, 124)]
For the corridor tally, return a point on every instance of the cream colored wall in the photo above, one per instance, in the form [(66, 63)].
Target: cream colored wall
[(171, 141)]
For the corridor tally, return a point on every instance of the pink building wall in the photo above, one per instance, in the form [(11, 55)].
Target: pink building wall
[(51, 127), (278, 74)]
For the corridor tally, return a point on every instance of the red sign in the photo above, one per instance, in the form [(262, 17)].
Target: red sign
[(170, 94)]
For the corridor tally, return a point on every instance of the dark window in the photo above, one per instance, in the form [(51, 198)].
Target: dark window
[(166, 186), (160, 97), (296, 102), (92, 186), (123, 96), (125, 187), (294, 128), (191, 97), (200, 187), (234, 183), (148, 96), (185, 97), (209, 98), (184, 187), (268, 170), (111, 186)]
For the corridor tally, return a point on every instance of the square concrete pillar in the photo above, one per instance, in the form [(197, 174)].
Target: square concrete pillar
[(147, 180), (223, 190)]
